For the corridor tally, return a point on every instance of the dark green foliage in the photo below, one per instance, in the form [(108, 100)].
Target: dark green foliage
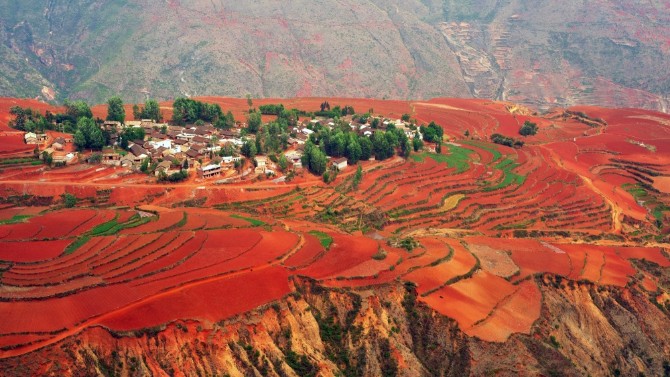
[(507, 141), (29, 120), (69, 200), (74, 110), (405, 117), (301, 364), (131, 134), (88, 135), (271, 109), (314, 159), (186, 110), (254, 122), (357, 177), (528, 128), (417, 144), (179, 176), (115, 110), (432, 133), (248, 149), (388, 363), (151, 110), (226, 122)]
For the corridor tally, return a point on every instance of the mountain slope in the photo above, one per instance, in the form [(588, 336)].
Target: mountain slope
[(541, 53)]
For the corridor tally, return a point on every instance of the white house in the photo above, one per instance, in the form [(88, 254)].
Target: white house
[(340, 163)]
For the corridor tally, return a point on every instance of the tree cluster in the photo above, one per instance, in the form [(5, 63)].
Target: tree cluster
[(271, 109), (188, 111), (29, 120), (150, 110), (432, 133), (88, 135), (507, 141), (179, 176)]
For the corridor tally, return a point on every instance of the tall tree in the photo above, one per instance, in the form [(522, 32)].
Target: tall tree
[(115, 110)]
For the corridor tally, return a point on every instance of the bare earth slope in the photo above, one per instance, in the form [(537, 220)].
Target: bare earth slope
[(545, 53)]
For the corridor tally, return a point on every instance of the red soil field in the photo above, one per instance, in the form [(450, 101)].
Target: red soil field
[(470, 300), (307, 253), (514, 314), (344, 253), (433, 277), (165, 221), (210, 300), (215, 266), (34, 251)]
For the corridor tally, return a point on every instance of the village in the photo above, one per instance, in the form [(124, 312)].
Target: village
[(202, 152)]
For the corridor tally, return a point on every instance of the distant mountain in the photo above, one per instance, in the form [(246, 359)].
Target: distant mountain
[(542, 53)]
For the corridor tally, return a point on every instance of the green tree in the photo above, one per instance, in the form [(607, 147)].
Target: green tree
[(357, 177), (137, 113), (405, 117), (366, 147), (417, 144), (80, 140), (528, 128), (152, 110), (248, 149), (254, 122), (432, 133), (69, 200), (282, 162), (115, 110)]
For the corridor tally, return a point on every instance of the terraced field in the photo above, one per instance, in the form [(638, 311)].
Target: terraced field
[(472, 232)]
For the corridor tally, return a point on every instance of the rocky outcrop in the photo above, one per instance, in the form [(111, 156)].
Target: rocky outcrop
[(584, 330)]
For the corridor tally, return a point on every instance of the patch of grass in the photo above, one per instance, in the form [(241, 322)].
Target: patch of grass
[(79, 242), (646, 197), (252, 221), (16, 219), (509, 177), (112, 227), (487, 147), (458, 157), (324, 238), (104, 227)]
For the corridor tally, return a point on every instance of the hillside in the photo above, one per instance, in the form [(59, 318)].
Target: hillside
[(539, 53), (479, 259)]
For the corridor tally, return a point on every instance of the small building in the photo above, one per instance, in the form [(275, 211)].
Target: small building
[(30, 138), (209, 171), (111, 158), (163, 167), (340, 163), (261, 164)]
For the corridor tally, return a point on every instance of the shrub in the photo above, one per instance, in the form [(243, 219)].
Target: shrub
[(528, 128), (69, 200)]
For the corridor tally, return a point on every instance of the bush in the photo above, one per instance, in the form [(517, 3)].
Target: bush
[(507, 141), (69, 200), (528, 128)]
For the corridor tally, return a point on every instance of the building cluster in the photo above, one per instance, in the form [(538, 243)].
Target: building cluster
[(169, 149)]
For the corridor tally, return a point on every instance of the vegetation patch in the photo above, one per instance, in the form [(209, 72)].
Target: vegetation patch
[(509, 177), (457, 158), (324, 238), (79, 242), (15, 219), (252, 221)]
